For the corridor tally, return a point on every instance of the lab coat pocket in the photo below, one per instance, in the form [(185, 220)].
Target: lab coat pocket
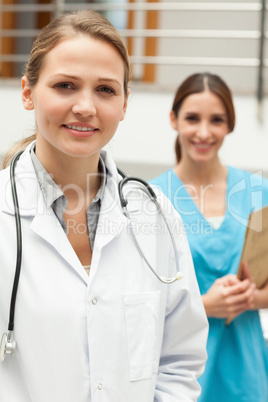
[(141, 315)]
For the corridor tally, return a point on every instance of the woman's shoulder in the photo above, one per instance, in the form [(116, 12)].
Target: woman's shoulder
[(235, 172), (164, 179), (162, 176), (249, 182), (256, 178)]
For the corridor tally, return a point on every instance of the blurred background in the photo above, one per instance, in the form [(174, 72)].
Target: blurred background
[(167, 41)]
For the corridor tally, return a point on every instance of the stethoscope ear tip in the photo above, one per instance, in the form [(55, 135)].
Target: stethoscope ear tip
[(7, 346), (3, 347), (179, 275)]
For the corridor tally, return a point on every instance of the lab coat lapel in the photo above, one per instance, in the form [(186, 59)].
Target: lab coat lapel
[(110, 225), (111, 221), (32, 206), (44, 222), (49, 229)]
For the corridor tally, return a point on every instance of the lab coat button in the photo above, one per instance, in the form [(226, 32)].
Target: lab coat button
[(100, 386), (94, 301)]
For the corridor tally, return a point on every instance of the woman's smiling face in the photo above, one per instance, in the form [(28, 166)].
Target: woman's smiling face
[(202, 124), (79, 98)]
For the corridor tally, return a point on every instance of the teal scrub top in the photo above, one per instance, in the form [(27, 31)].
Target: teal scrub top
[(237, 365)]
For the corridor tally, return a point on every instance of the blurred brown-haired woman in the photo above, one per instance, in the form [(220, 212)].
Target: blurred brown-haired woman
[(215, 202)]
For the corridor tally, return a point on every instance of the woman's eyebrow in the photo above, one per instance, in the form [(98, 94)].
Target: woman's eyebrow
[(74, 77), (112, 80), (219, 114), (69, 76)]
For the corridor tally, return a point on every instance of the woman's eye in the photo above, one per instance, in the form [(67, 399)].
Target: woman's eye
[(191, 118), (106, 89), (217, 120), (64, 85)]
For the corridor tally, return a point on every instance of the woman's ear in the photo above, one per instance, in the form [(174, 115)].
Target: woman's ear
[(173, 120), (27, 99)]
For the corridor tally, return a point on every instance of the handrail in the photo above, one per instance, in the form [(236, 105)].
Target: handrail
[(13, 33), (200, 61), (157, 33), (261, 62), (205, 6), (169, 60), (192, 33)]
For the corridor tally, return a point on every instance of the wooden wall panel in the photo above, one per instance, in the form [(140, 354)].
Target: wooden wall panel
[(43, 18), (150, 43), (8, 44), (130, 25)]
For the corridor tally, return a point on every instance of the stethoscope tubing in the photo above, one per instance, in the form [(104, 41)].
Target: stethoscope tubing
[(8, 343), (149, 192), (19, 242)]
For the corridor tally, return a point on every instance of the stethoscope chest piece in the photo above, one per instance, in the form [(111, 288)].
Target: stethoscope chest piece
[(7, 346)]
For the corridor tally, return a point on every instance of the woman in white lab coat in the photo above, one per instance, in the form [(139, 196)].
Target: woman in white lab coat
[(92, 322)]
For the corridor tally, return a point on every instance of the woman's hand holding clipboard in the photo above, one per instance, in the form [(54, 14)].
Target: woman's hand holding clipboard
[(254, 260)]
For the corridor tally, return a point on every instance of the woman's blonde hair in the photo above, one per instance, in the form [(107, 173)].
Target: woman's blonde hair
[(84, 22)]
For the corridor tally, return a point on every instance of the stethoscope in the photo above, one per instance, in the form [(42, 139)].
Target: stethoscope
[(8, 343)]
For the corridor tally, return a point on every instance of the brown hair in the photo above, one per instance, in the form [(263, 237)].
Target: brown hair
[(84, 22), (201, 82)]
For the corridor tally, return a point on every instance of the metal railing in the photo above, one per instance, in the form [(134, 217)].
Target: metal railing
[(262, 62), (59, 7), (138, 6)]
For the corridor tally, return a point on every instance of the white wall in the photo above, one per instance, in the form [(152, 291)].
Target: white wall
[(145, 136)]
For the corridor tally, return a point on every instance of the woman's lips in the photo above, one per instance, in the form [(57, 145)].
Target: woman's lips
[(80, 130), (202, 147)]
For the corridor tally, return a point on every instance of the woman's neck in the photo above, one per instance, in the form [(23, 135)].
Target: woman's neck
[(200, 173), (207, 185), (72, 174)]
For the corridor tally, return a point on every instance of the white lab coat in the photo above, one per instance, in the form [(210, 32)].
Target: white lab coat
[(118, 335)]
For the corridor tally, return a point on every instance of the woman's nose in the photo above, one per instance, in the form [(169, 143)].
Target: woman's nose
[(203, 130), (84, 105)]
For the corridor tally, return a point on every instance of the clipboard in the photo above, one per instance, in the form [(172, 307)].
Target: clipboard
[(255, 250)]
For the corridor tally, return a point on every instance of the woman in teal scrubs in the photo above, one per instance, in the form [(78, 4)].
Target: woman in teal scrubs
[(215, 202)]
